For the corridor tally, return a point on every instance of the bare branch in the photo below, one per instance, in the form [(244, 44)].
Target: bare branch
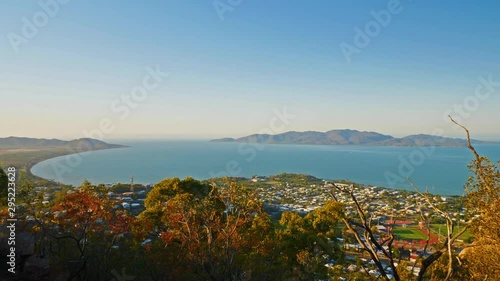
[(450, 238), (370, 244), (479, 160)]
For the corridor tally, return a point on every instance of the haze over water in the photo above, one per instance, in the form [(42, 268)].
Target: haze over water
[(443, 170)]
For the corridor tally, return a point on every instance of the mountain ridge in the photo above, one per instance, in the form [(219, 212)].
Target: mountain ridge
[(76, 144), (350, 137)]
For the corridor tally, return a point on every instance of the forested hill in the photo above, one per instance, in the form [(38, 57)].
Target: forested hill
[(349, 137), (20, 142)]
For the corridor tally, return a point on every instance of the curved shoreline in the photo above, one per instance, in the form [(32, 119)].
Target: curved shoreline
[(53, 153), (175, 159)]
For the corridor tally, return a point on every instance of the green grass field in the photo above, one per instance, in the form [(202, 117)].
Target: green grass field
[(408, 233), (465, 236)]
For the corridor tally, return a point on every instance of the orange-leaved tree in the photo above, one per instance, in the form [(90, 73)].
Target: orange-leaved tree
[(83, 232)]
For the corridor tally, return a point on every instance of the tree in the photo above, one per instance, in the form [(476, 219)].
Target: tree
[(213, 232), (201, 231), (479, 260), (307, 244), (82, 231), (158, 198)]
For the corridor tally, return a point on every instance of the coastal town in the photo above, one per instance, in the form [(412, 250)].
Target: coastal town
[(406, 213)]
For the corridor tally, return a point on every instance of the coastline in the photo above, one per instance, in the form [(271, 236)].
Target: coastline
[(25, 161), (152, 161), (164, 159)]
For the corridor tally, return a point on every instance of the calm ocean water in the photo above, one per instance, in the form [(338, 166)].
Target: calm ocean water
[(441, 170)]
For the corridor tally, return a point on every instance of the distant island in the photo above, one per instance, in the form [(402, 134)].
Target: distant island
[(350, 137), (23, 152)]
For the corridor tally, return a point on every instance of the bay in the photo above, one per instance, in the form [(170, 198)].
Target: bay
[(441, 170)]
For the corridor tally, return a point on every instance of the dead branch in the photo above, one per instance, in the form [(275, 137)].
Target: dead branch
[(370, 245), (479, 160), (448, 243)]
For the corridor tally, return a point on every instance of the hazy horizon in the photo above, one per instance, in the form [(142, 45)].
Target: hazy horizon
[(207, 138)]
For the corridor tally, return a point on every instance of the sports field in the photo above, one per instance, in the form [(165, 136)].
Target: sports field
[(408, 233), (436, 227)]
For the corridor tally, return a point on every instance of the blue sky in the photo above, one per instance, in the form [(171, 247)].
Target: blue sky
[(227, 77)]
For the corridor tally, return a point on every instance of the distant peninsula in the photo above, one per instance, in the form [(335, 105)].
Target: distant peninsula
[(33, 143), (23, 153), (350, 137)]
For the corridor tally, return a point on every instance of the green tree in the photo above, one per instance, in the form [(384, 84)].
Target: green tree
[(307, 244), (209, 232)]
